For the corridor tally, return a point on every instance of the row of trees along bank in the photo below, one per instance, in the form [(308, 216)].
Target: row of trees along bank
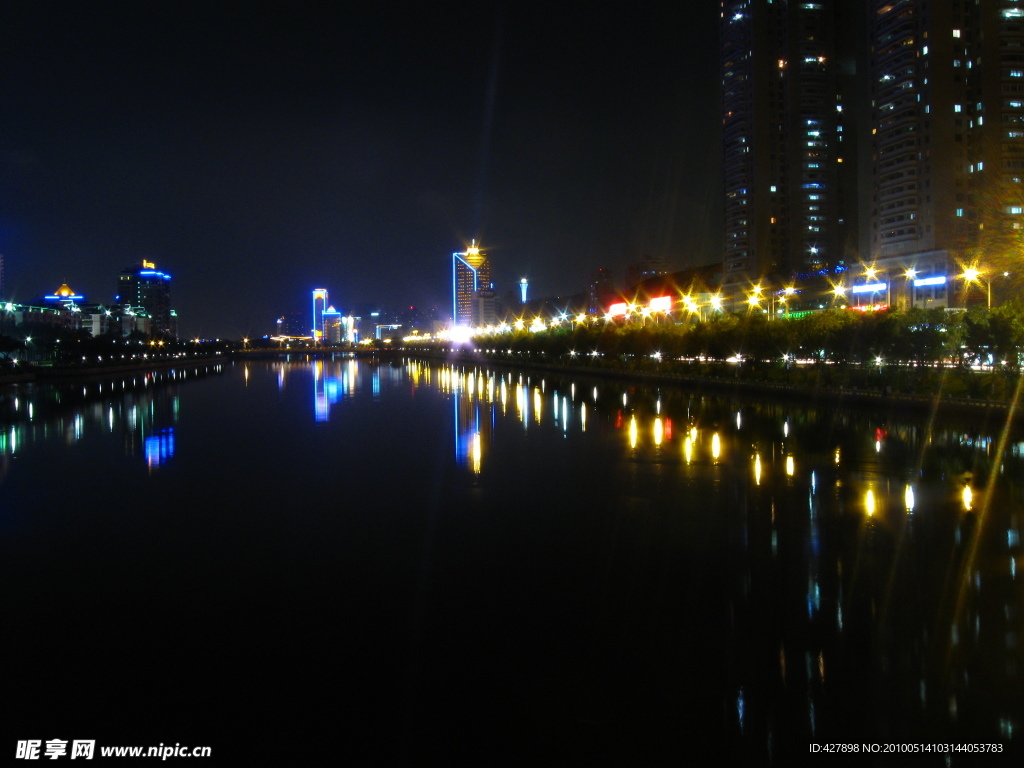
[(974, 353)]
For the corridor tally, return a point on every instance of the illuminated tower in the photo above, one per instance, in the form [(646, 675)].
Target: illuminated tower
[(471, 276), (523, 284), (319, 305)]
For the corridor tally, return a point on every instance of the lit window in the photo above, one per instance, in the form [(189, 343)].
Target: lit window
[(956, 33), (958, 108)]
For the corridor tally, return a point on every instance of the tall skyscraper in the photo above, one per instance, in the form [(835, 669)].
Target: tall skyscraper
[(947, 139), (788, 157), (471, 287), (319, 305), (143, 285)]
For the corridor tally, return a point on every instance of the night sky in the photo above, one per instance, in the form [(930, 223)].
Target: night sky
[(257, 151)]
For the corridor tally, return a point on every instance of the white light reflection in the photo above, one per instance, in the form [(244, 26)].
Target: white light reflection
[(908, 498)]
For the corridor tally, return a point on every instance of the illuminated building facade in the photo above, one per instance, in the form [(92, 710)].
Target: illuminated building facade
[(471, 286), (332, 326), (319, 306), (143, 286), (789, 165)]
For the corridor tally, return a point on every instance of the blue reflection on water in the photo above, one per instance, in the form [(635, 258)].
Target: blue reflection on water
[(159, 448)]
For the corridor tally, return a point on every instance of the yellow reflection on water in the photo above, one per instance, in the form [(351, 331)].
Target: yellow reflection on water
[(476, 452), (968, 498), (908, 498), (504, 395), (716, 446), (757, 468), (688, 449), (789, 466), (659, 431), (869, 503), (583, 417), (536, 405), (632, 432), (693, 434)]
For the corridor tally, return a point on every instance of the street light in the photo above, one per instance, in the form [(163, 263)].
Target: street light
[(973, 275)]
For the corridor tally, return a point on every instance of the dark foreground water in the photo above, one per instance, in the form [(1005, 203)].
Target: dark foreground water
[(295, 563)]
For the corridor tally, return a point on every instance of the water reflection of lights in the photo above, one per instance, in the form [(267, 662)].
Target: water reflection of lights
[(583, 417), (716, 446), (790, 468), (688, 449), (659, 431), (908, 498), (632, 432), (869, 503), (536, 405), (476, 452), (757, 469), (159, 448), (968, 498)]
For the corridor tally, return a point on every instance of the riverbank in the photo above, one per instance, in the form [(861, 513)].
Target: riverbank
[(918, 388), (27, 374)]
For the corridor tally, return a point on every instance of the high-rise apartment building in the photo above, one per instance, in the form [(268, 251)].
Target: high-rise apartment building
[(888, 135), (947, 115), (143, 286), (787, 75), (472, 290)]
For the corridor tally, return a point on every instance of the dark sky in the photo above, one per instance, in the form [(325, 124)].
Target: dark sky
[(259, 150)]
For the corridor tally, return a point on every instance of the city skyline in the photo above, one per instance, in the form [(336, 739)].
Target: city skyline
[(259, 153)]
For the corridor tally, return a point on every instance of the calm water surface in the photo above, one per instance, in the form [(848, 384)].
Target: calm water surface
[(394, 563)]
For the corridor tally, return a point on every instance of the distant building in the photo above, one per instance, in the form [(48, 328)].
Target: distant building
[(471, 273), (143, 287), (603, 292), (319, 306), (332, 327)]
